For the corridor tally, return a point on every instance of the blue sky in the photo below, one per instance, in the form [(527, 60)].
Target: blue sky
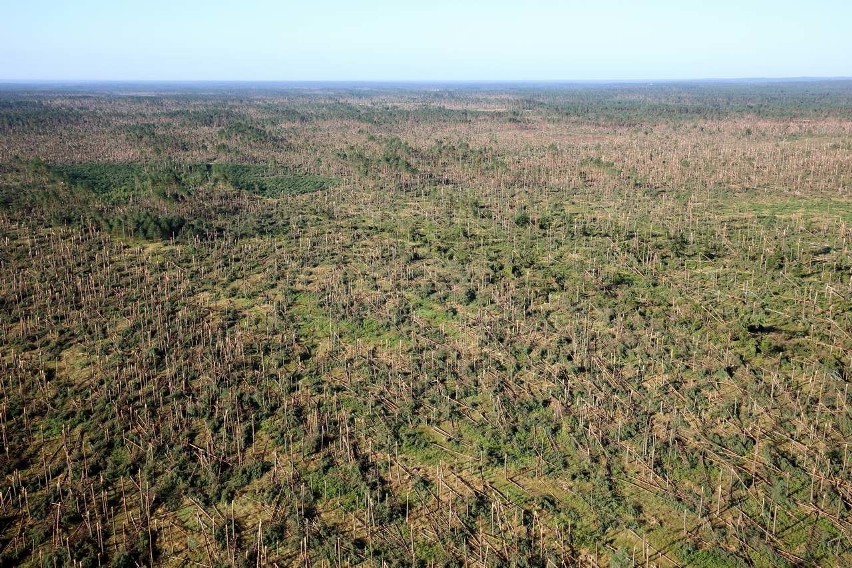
[(428, 41)]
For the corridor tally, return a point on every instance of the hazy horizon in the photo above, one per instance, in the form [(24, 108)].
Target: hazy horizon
[(468, 41), (495, 81)]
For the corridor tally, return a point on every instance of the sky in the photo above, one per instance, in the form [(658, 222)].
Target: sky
[(438, 40)]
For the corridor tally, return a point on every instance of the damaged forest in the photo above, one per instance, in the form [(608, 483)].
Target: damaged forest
[(426, 325)]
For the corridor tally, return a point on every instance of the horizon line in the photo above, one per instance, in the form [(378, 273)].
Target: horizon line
[(424, 81)]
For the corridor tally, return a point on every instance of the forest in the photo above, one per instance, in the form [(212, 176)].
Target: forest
[(528, 325)]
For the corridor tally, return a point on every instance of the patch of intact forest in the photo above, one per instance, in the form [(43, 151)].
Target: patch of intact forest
[(541, 325)]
